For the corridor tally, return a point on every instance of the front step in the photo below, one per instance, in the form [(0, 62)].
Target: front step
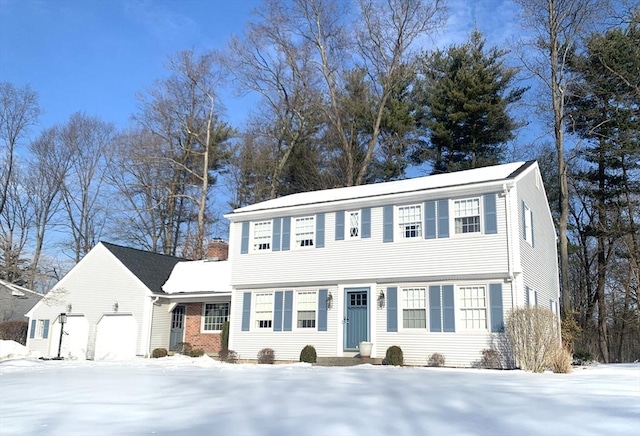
[(347, 361)]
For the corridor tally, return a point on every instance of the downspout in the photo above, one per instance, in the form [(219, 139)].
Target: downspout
[(505, 191)]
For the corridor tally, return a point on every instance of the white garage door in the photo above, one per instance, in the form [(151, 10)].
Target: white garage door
[(116, 337), (74, 338)]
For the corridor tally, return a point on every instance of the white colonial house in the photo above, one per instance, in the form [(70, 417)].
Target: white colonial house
[(432, 264)]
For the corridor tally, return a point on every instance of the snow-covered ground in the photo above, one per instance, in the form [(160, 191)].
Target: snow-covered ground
[(180, 395)]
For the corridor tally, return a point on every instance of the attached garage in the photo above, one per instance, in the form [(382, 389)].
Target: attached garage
[(74, 337), (116, 337)]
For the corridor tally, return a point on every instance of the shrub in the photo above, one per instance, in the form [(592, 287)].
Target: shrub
[(228, 356), (183, 348), (266, 356), (14, 331), (308, 354), (490, 359), (436, 359), (195, 352), (533, 335), (582, 358), (561, 360), (224, 340), (159, 352), (394, 356), (570, 330)]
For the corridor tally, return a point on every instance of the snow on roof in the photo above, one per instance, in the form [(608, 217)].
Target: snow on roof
[(199, 276), (477, 175)]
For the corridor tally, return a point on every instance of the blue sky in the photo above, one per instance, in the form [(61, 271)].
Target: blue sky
[(94, 55)]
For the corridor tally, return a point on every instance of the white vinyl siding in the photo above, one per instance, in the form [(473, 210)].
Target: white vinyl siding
[(410, 221), (263, 312), (262, 235), (306, 305), (414, 308), (305, 231), (467, 215), (473, 307), (214, 316)]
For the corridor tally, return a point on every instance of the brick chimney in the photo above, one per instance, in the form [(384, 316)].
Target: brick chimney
[(218, 249)]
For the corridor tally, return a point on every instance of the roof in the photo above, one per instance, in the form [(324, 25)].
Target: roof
[(153, 269), (199, 276), (16, 301), (477, 175)]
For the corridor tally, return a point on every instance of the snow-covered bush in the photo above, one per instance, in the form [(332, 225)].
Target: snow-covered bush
[(266, 356), (308, 354), (436, 359)]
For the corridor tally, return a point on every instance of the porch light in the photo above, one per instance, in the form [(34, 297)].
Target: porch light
[(69, 308), (63, 319), (115, 306), (381, 300), (329, 300)]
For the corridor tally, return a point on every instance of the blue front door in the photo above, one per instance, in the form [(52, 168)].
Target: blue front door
[(356, 319), (177, 327)]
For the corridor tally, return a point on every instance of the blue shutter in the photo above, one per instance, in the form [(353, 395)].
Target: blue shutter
[(448, 311), (387, 224), (244, 246), (392, 309), (246, 311), (45, 330), (495, 301), (288, 310), (320, 230), (429, 219), (286, 233), (32, 333), (340, 225), (322, 310), (443, 218), (276, 234), (366, 223), (277, 312), (435, 322), (490, 215)]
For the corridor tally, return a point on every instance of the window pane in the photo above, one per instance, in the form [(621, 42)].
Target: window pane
[(264, 310), (215, 315), (305, 231), (467, 215), (306, 303), (410, 221), (474, 307), (354, 224), (262, 236)]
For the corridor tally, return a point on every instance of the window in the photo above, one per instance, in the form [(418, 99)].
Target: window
[(414, 308), (467, 215), (528, 224), (262, 236), (473, 307), (410, 221), (305, 231), (306, 304), (215, 314), (354, 225), (39, 329), (264, 311)]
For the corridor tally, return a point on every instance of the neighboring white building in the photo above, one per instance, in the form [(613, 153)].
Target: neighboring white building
[(107, 299), (432, 264)]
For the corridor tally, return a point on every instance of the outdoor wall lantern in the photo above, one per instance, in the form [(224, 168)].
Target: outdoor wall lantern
[(115, 306), (63, 319), (381, 300), (329, 300), (69, 308)]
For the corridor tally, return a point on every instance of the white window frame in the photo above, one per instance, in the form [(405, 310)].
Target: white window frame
[(305, 232), (213, 323), (306, 301), (409, 301), (465, 213), (261, 236), (528, 224), (473, 310), (532, 296), (40, 329), (263, 306), (409, 218), (358, 224)]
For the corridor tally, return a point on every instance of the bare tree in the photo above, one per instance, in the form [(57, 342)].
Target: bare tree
[(19, 111), (558, 26)]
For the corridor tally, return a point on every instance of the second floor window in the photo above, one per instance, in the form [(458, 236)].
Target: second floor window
[(262, 236), (354, 224), (410, 221), (467, 215), (305, 231)]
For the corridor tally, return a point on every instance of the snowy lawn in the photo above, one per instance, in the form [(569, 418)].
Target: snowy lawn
[(180, 395)]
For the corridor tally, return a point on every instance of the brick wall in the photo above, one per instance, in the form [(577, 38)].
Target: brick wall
[(218, 249), (209, 342)]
